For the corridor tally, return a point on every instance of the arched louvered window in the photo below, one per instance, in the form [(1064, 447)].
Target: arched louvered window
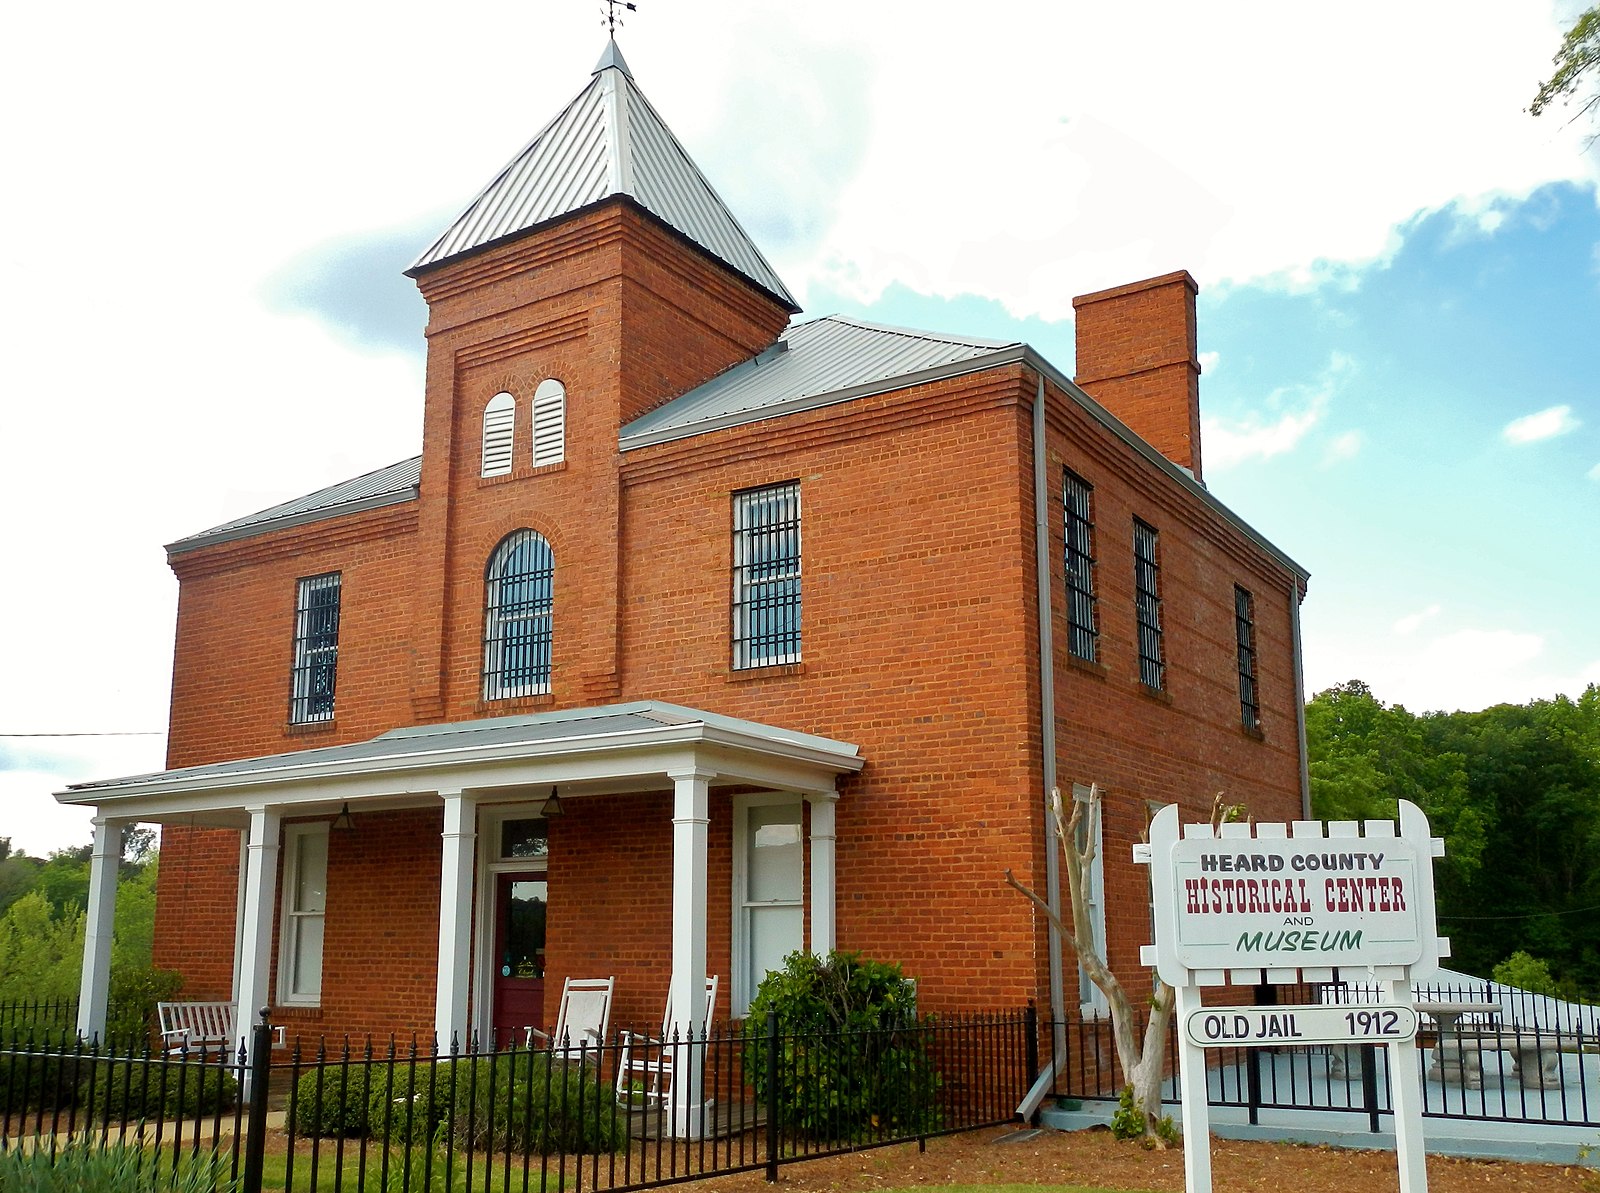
[(499, 429), (549, 423), (519, 597)]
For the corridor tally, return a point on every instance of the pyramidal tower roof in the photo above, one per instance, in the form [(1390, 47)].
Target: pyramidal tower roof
[(608, 141)]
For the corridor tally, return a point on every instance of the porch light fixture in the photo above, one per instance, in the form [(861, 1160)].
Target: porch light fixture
[(552, 806), (344, 822)]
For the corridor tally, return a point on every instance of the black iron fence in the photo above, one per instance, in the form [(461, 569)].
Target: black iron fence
[(1520, 1057), (627, 1113)]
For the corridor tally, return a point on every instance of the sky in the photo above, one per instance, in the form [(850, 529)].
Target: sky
[(204, 313)]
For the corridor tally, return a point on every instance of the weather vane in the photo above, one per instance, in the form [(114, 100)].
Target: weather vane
[(611, 18)]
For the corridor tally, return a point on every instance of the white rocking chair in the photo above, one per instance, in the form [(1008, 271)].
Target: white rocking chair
[(644, 1068), (584, 1016)]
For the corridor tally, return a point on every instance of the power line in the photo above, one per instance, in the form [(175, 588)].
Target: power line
[(1532, 915)]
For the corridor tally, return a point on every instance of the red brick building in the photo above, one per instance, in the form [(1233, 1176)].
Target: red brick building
[(696, 635)]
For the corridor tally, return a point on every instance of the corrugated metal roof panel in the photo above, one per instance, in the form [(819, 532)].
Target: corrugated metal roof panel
[(371, 490), (825, 357), (608, 141)]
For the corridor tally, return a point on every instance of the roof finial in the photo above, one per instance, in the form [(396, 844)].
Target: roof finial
[(611, 18)]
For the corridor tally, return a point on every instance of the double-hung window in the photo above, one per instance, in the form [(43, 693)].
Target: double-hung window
[(1147, 602), (315, 669), (1244, 626), (305, 899), (1078, 541), (766, 576), (519, 602)]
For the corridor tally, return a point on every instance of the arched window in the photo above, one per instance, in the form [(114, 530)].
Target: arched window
[(549, 423), (499, 429), (518, 601)]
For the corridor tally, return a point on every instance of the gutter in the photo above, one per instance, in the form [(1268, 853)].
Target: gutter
[(1300, 701), (1047, 739)]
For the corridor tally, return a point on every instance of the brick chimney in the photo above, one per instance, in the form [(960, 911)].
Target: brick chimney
[(1137, 358)]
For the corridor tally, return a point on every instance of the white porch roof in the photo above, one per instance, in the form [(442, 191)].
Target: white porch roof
[(587, 751)]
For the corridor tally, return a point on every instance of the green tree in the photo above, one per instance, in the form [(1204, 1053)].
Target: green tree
[(1577, 74)]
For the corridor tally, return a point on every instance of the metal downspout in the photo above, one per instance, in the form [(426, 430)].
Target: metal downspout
[(1047, 738), (1300, 699)]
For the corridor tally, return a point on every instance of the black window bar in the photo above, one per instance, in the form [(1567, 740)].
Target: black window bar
[(766, 576), (315, 670), (1244, 620), (1078, 540), (1147, 597), (519, 599)]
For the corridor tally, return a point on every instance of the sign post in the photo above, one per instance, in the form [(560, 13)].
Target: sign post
[(1290, 903)]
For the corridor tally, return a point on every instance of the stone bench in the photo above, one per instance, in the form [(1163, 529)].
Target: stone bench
[(1535, 1052)]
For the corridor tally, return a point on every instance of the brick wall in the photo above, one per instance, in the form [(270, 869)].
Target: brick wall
[(920, 639)]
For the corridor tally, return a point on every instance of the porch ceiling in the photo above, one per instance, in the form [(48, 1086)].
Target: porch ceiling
[(584, 751)]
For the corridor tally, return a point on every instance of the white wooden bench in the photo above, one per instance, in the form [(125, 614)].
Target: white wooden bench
[(196, 1028)]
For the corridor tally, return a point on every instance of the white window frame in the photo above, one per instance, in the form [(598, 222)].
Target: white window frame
[(1091, 999), (741, 989), (549, 423), (499, 434), (752, 646), (292, 919)]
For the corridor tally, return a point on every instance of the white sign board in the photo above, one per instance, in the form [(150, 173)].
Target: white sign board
[(1220, 1027), (1282, 903), (1296, 902)]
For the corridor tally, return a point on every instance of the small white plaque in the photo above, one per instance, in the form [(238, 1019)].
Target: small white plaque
[(1254, 1027)]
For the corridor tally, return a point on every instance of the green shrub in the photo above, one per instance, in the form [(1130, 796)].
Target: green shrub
[(850, 1066), (1128, 1122), (529, 1102), (332, 1100), (84, 1163), (131, 1010), (409, 1106), (128, 1090), (43, 1077)]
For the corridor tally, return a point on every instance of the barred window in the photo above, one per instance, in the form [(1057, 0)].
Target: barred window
[(549, 423), (1147, 600), (1078, 542), (766, 576), (499, 430), (519, 598), (316, 649), (1244, 622)]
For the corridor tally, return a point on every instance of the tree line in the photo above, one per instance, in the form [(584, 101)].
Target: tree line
[(1514, 790)]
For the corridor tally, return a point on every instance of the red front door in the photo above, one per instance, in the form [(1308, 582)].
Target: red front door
[(520, 901)]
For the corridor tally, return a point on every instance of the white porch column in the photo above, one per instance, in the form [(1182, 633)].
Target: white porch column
[(255, 941), (459, 842), (691, 803), (823, 871), (94, 991)]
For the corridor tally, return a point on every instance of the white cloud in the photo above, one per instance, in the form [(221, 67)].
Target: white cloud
[(1546, 424), (1411, 621), (1342, 447), (1289, 415), (1209, 361), (1594, 473)]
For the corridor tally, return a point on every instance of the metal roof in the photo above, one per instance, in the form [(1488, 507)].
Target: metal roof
[(517, 737), (372, 490), (816, 363), (608, 141)]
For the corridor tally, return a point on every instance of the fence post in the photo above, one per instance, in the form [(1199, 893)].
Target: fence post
[(255, 1141), (1030, 1022), (772, 1096), (1369, 1083)]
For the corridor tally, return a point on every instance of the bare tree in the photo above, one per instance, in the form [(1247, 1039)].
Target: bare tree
[(1141, 1058)]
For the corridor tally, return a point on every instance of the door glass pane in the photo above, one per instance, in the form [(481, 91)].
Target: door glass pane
[(524, 950), (776, 862)]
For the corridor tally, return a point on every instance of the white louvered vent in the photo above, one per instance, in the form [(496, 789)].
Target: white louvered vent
[(499, 429), (549, 423)]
